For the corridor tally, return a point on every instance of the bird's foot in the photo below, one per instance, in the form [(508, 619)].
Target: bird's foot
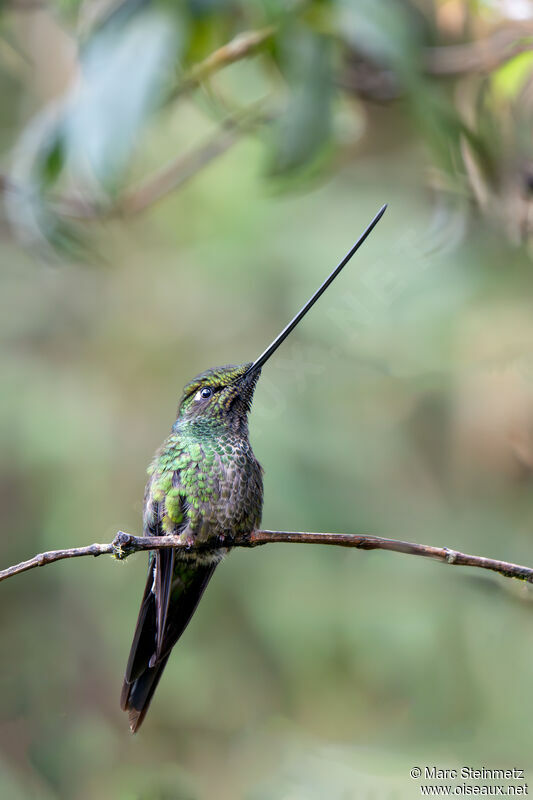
[(122, 545)]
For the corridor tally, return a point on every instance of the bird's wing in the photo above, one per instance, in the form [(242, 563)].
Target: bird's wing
[(162, 514), (151, 622), (163, 574)]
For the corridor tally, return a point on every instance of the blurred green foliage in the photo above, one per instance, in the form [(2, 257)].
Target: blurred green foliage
[(402, 407)]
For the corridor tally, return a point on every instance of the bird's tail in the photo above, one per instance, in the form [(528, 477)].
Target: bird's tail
[(149, 651)]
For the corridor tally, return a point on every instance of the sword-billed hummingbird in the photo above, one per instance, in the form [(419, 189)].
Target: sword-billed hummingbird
[(205, 485)]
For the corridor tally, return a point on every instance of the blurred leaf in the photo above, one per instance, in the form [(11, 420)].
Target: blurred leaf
[(52, 162), (89, 138), (393, 34), (304, 129), (124, 72), (384, 31), (510, 78), (38, 163)]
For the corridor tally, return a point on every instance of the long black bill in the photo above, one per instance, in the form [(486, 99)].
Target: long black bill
[(258, 363)]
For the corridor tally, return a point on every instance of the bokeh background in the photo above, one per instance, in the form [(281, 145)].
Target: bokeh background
[(166, 210)]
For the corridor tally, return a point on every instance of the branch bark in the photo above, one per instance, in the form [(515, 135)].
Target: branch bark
[(124, 544)]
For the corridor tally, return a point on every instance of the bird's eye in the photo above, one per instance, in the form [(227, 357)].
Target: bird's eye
[(206, 392)]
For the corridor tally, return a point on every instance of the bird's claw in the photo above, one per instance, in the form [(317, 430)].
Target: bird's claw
[(121, 545)]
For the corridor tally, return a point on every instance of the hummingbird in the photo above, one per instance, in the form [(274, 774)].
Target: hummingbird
[(205, 485)]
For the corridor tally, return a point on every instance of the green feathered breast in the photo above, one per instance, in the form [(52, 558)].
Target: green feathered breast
[(204, 484)]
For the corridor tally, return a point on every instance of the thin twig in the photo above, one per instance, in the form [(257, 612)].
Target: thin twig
[(124, 544), (183, 168), (241, 46), (57, 555)]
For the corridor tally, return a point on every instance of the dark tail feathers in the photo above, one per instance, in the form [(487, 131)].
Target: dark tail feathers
[(141, 679)]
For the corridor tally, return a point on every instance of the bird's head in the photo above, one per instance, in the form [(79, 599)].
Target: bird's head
[(221, 396)]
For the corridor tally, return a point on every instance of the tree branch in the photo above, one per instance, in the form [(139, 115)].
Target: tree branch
[(124, 544)]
